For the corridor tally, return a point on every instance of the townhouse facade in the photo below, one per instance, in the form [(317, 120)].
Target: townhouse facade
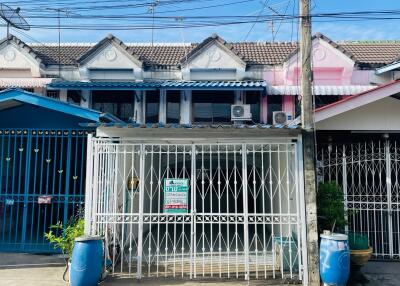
[(168, 117)]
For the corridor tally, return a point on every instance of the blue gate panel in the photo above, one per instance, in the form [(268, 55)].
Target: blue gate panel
[(36, 164)]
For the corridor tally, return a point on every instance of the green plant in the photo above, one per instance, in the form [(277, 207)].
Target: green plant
[(64, 237), (330, 207)]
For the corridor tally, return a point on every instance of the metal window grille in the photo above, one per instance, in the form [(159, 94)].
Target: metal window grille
[(53, 94)]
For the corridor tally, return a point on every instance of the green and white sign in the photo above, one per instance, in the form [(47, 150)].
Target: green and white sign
[(176, 195)]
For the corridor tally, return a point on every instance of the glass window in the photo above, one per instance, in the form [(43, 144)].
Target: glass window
[(74, 96), (152, 105), (53, 94), (212, 106), (322, 100), (274, 104), (173, 106), (254, 99), (119, 103)]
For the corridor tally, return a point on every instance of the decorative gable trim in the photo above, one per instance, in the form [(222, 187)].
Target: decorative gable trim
[(213, 39), (110, 39), (327, 40), (19, 43)]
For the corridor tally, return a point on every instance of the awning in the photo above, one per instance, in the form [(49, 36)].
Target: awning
[(15, 97), (170, 85), (22, 82), (319, 89)]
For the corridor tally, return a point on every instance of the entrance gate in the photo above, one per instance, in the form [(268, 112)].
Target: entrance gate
[(41, 183), (369, 175), (242, 220)]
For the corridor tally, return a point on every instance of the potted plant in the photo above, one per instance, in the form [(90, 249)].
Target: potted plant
[(63, 237), (330, 208), (331, 216)]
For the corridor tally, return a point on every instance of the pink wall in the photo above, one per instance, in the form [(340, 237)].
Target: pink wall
[(330, 67)]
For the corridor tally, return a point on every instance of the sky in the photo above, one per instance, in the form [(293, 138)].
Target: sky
[(277, 30)]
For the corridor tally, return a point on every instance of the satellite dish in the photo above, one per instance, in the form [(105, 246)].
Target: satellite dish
[(13, 18)]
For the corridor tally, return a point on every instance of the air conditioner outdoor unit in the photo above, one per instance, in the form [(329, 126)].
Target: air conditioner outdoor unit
[(281, 117), (240, 112)]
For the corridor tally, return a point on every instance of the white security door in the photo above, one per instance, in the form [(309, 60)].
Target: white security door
[(234, 214)]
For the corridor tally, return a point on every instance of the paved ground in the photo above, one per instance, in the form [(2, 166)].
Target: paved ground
[(41, 270)]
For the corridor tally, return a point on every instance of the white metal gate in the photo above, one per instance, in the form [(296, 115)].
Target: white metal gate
[(243, 217), (369, 174)]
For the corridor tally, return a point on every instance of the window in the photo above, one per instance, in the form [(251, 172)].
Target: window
[(53, 94), (173, 106), (152, 106), (322, 100), (118, 103), (274, 104), (212, 106), (254, 99), (74, 96)]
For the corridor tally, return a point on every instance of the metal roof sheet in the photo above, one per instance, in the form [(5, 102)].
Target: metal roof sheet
[(319, 89), (193, 126), (124, 85), (17, 95)]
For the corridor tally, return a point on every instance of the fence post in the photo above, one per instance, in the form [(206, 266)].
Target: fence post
[(344, 183), (389, 196), (88, 186)]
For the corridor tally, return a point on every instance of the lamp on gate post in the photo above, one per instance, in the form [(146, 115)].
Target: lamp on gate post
[(132, 183)]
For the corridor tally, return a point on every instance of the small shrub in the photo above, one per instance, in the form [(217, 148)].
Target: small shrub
[(330, 207), (66, 238)]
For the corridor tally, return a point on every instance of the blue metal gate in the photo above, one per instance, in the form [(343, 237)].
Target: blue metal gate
[(41, 183)]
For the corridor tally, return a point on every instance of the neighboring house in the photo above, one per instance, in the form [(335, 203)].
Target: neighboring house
[(238, 207)]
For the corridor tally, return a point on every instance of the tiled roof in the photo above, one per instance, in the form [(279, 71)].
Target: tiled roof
[(373, 53)]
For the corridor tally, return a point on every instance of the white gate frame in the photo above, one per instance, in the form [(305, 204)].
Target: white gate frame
[(92, 189)]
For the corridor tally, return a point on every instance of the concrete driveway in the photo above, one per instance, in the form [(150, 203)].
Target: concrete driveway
[(42, 270)]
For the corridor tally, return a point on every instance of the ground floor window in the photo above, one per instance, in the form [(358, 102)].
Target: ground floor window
[(152, 106), (118, 103), (212, 106), (173, 106)]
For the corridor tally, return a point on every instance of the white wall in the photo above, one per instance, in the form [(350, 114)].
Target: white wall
[(379, 115)]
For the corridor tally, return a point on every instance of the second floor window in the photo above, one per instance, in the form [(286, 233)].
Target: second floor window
[(253, 98), (152, 106), (274, 104), (212, 106), (117, 102), (173, 106)]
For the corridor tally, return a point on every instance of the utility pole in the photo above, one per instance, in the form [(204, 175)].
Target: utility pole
[(307, 119)]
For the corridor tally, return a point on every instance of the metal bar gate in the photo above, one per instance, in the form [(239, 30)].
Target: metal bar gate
[(41, 183), (369, 176), (243, 218)]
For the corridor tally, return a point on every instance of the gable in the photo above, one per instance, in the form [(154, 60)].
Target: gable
[(214, 57), (330, 65), (14, 57), (381, 115), (110, 57)]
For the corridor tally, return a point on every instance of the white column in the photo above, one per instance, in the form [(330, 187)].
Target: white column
[(186, 107), (162, 113), (86, 96), (138, 116), (63, 94), (239, 97)]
